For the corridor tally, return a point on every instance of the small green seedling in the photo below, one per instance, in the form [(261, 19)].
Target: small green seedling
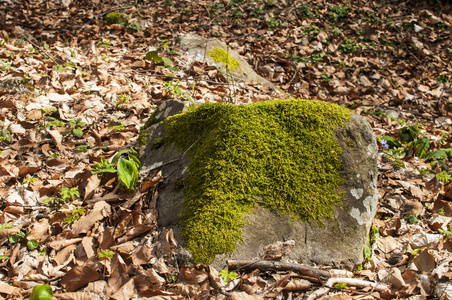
[(66, 194), (17, 237), (413, 252), (119, 127), (104, 44), (444, 177), (74, 215), (5, 226), (412, 218), (446, 233), (341, 286), (155, 57), (441, 211), (104, 166), (175, 90), (77, 123), (106, 253), (29, 180), (69, 193), (226, 275), (53, 123)]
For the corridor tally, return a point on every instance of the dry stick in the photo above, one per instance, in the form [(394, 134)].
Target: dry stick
[(316, 274), (357, 283), (115, 9), (317, 293), (41, 50)]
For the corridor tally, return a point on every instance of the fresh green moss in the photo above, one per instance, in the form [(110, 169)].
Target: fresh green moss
[(143, 136), (157, 143), (114, 18), (280, 154), (220, 55)]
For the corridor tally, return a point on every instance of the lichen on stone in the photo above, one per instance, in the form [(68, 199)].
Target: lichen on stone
[(220, 55), (282, 155)]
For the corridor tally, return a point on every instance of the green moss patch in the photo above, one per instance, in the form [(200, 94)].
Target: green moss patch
[(281, 154), (220, 55), (115, 18)]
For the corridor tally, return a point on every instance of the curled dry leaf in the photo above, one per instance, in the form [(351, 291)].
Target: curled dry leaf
[(91, 187), (39, 230), (424, 262), (79, 277), (84, 224), (126, 292)]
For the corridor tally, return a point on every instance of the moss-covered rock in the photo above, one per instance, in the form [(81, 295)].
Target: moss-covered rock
[(282, 156), (115, 18)]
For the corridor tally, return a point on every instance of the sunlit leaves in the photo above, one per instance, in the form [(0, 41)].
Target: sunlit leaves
[(128, 173)]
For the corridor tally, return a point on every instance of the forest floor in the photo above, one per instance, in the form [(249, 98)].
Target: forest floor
[(74, 92)]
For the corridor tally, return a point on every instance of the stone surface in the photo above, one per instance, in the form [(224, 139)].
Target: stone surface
[(339, 243), (200, 48)]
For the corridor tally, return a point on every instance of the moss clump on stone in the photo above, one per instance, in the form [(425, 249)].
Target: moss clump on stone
[(114, 18), (220, 55), (281, 154), (142, 137)]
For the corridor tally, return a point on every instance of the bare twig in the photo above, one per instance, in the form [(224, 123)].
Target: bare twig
[(316, 275), (42, 50), (356, 283)]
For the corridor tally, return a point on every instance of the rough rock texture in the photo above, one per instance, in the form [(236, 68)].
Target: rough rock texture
[(200, 48), (339, 243)]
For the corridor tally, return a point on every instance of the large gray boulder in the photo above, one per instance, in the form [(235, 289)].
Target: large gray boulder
[(337, 241)]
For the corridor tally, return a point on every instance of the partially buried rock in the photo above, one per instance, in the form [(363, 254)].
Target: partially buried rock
[(215, 52), (242, 177)]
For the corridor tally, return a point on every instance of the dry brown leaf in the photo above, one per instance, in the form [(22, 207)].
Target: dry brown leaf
[(65, 255), (57, 245), (392, 277), (75, 296), (295, 284), (91, 187), (39, 230), (126, 292), (243, 296), (387, 244), (194, 275), (57, 138), (79, 277), (84, 224), (119, 274), (341, 297), (106, 240), (424, 261), (89, 244), (8, 289)]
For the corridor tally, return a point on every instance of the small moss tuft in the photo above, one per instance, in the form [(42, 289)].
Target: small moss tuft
[(114, 18), (280, 154), (220, 55), (158, 143), (142, 137)]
